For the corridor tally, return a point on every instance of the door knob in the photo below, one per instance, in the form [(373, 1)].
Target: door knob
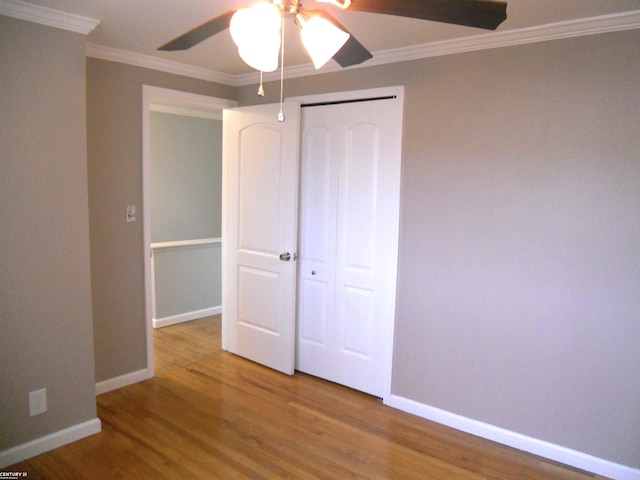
[(285, 257)]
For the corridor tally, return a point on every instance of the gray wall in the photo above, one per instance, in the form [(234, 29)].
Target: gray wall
[(188, 279), (46, 335), (114, 122), (186, 177), (519, 265), (186, 196)]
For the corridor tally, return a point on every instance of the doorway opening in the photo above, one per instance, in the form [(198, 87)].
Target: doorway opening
[(168, 257)]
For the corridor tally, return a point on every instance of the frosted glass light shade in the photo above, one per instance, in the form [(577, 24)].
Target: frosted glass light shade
[(322, 39), (256, 32), (262, 55)]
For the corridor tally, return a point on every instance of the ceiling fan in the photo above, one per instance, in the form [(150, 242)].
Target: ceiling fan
[(257, 30)]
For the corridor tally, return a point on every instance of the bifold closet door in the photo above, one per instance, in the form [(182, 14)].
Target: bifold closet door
[(350, 166)]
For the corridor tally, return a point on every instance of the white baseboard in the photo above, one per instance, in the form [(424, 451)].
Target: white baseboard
[(49, 442), (516, 440), (122, 381), (186, 317)]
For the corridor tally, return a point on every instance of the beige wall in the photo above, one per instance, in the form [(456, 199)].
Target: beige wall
[(114, 122), (519, 273), (46, 335)]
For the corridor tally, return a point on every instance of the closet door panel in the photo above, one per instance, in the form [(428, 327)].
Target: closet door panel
[(317, 243), (359, 200)]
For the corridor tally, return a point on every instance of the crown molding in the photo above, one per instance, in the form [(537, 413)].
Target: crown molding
[(154, 63), (47, 16), (508, 38), (552, 31)]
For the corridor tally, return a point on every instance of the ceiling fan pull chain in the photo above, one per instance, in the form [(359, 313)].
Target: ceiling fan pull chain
[(281, 115), (260, 89)]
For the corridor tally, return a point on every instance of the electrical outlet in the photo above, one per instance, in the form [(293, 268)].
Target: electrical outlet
[(38, 402)]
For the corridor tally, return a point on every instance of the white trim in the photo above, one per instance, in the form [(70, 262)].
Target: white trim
[(186, 243), (159, 64), (186, 112), (541, 33), (49, 442), (122, 381), (223, 230), (191, 101), (516, 440), (48, 16), (161, 96), (507, 38), (552, 31), (503, 38), (186, 317)]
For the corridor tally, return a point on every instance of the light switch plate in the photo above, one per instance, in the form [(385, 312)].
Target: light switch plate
[(131, 213)]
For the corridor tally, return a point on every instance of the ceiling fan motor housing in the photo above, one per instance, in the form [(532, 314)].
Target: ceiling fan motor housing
[(288, 7)]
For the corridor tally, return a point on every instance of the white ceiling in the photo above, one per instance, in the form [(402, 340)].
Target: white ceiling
[(140, 26)]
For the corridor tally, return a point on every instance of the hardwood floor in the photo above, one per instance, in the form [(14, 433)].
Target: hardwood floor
[(211, 415)]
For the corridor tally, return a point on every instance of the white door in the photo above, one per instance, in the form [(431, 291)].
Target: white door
[(260, 157), (350, 183)]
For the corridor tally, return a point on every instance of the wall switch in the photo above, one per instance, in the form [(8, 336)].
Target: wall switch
[(38, 402), (131, 213)]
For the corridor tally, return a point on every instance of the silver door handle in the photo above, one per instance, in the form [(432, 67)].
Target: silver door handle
[(285, 257)]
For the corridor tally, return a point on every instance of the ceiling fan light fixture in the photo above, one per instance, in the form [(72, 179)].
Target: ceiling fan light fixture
[(256, 32), (321, 38)]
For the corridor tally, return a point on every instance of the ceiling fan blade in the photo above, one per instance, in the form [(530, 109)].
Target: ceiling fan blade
[(200, 33), (352, 52), (486, 14)]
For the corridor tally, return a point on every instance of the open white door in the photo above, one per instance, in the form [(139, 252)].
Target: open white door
[(260, 196)]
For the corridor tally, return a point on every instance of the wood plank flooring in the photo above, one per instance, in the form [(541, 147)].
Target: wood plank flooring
[(211, 415)]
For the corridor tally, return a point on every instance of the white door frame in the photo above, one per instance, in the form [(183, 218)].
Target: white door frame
[(177, 100), (398, 92)]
